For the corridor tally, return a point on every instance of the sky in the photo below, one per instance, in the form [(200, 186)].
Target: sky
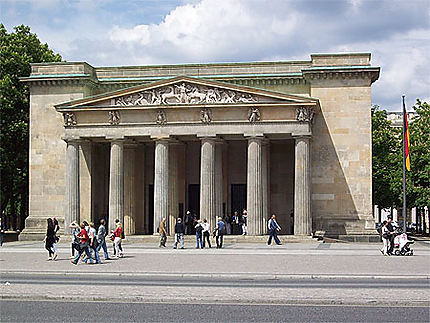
[(140, 32)]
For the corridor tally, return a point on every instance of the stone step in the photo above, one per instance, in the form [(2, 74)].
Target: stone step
[(227, 239)]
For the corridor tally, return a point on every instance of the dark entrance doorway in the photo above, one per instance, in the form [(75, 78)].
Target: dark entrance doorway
[(194, 199), (150, 209), (238, 203), (193, 207)]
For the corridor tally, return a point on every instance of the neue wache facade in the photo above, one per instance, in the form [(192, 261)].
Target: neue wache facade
[(139, 143)]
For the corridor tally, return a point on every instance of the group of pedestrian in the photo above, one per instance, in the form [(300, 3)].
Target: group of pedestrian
[(51, 238), (387, 234), (236, 224), (87, 241), (202, 230)]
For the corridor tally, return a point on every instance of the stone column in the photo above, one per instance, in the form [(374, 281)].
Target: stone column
[(302, 188), (72, 184), (161, 182), (254, 186), (218, 181), (207, 180), (116, 183), (265, 188)]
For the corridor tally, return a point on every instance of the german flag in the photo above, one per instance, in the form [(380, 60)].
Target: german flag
[(406, 137)]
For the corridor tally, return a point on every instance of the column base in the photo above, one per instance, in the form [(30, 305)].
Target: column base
[(35, 228)]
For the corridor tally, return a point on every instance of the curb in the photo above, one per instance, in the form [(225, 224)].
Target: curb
[(154, 300), (221, 276)]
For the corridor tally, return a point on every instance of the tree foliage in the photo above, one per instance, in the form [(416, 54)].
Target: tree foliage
[(18, 50), (387, 149)]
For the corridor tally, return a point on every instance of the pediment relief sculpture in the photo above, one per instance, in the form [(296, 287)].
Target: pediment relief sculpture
[(186, 93), (305, 114), (69, 119), (114, 117)]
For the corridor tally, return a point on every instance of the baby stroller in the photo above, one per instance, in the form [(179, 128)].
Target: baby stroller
[(402, 243)]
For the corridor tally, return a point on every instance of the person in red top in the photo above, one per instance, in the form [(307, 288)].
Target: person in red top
[(117, 240), (83, 245)]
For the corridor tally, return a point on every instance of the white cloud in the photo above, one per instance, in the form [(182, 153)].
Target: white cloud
[(112, 33)]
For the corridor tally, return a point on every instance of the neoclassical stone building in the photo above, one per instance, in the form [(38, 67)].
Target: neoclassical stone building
[(140, 143)]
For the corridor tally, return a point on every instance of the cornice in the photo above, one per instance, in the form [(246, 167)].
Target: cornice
[(341, 72)]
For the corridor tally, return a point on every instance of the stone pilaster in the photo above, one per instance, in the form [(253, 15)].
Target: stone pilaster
[(207, 180), (161, 182), (254, 186), (72, 184), (116, 183), (302, 187)]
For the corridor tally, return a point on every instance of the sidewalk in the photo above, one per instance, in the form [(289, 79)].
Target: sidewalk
[(272, 274), (340, 259)]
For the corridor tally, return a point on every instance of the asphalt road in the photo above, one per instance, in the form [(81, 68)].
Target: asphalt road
[(124, 280), (48, 311)]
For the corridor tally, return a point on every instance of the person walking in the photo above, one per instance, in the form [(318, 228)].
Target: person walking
[(83, 246), (244, 223), (75, 239), (273, 227), (50, 239), (385, 238), (199, 235), (57, 238), (163, 233), (93, 243), (101, 238), (117, 233), (391, 235), (219, 232), (206, 233), (179, 234), (117, 223)]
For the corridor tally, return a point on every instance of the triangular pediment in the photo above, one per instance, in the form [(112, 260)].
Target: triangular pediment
[(184, 90)]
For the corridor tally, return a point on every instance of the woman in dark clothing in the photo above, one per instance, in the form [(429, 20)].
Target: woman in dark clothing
[(50, 239)]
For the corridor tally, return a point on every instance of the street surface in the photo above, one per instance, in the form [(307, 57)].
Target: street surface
[(31, 311), (244, 282)]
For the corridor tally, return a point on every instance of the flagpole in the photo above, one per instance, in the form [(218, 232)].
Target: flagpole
[(404, 166)]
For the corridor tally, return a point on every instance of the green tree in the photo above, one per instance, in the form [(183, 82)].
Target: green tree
[(418, 192), (385, 146), (18, 50)]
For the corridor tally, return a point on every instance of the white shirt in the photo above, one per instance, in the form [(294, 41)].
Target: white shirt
[(206, 227)]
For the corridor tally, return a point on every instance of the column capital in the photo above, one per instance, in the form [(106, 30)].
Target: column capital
[(72, 139), (161, 138), (301, 136), (254, 136), (115, 138)]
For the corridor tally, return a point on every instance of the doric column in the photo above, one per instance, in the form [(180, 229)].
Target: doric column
[(302, 187), (207, 180), (116, 183), (254, 186), (265, 188), (72, 184), (218, 181), (161, 182)]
